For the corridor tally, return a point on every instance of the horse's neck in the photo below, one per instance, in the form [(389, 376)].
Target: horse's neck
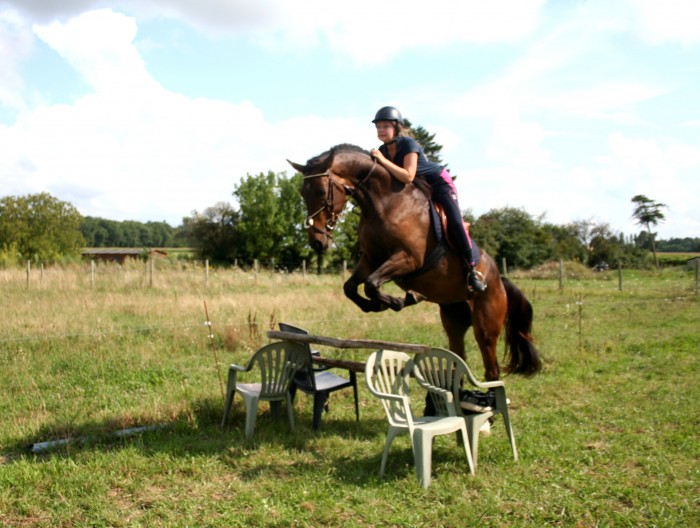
[(386, 196)]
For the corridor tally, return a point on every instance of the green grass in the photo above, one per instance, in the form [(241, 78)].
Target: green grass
[(607, 434)]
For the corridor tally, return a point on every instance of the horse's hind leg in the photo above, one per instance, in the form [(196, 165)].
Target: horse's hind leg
[(489, 317), (456, 319)]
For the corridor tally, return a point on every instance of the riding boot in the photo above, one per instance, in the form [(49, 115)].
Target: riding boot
[(475, 280)]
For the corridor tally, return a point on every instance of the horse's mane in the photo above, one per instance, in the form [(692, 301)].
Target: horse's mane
[(321, 163)]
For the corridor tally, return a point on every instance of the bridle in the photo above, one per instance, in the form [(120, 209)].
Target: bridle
[(327, 206)]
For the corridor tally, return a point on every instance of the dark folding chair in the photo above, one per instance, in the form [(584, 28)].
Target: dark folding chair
[(318, 381)]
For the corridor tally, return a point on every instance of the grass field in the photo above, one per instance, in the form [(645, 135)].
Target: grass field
[(607, 434)]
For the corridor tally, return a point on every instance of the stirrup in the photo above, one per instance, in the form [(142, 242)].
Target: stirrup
[(476, 281)]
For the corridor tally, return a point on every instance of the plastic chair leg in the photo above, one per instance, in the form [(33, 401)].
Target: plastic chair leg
[(320, 399), (423, 456), (353, 379), (473, 427), (230, 393), (251, 413), (390, 435), (467, 448), (227, 406), (509, 432), (290, 411)]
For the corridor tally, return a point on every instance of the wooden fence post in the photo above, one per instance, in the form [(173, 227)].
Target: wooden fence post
[(504, 265), (561, 274), (29, 268), (206, 273), (580, 322), (92, 274), (619, 275)]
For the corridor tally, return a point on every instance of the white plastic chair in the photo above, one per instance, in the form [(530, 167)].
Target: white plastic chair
[(439, 371), (277, 363), (387, 374)]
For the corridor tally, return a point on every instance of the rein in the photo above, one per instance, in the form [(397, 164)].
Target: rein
[(327, 206)]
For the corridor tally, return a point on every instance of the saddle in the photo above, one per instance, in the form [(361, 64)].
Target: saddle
[(439, 221)]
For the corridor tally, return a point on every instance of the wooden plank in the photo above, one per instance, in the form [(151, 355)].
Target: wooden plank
[(352, 366), (347, 343)]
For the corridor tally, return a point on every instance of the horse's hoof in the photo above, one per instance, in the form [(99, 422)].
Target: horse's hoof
[(417, 297)]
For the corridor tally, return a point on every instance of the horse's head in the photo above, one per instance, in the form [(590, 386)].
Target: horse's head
[(328, 181)]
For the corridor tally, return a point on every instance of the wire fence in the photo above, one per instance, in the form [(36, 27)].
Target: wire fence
[(574, 302)]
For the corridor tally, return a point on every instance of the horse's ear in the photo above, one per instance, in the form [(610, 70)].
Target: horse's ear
[(300, 168)]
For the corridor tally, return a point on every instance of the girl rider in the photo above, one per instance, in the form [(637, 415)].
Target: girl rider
[(404, 158)]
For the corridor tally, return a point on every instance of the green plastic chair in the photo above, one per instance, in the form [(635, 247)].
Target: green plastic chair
[(277, 363), (440, 371), (387, 374)]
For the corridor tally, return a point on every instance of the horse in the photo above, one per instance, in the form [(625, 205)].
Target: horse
[(398, 243)]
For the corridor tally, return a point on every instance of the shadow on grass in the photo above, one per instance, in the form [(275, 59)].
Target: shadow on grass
[(196, 431)]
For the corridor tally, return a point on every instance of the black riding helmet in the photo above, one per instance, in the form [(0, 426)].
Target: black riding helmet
[(388, 113)]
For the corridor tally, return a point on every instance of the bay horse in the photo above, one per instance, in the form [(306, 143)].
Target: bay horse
[(398, 242)]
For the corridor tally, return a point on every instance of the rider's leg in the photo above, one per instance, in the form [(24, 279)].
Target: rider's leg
[(458, 235)]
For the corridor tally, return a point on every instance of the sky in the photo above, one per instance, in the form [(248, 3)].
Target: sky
[(151, 110)]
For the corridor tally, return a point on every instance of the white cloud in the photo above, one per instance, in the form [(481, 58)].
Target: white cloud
[(98, 44), (131, 149), (366, 31), (668, 21), (15, 44)]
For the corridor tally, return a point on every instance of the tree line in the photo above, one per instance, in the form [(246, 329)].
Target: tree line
[(267, 226)]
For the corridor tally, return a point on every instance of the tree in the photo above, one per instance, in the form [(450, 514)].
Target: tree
[(514, 235), (293, 247), (40, 227), (566, 242), (346, 240), (648, 212), (272, 217), (100, 232), (213, 233), (604, 245)]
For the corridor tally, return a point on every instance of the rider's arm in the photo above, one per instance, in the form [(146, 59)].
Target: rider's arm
[(404, 174)]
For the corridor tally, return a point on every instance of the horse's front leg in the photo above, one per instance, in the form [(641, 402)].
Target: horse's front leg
[(397, 265), (351, 290)]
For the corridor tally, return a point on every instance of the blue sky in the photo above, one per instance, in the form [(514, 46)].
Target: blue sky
[(151, 109)]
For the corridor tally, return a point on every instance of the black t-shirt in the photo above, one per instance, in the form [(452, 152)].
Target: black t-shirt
[(428, 170)]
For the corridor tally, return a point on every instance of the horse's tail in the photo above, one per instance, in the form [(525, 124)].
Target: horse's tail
[(524, 357)]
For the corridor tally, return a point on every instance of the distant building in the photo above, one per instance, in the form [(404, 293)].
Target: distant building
[(119, 255)]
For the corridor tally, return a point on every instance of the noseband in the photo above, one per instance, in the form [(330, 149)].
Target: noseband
[(327, 206)]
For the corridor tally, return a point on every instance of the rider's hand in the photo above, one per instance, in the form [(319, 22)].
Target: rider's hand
[(376, 153)]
